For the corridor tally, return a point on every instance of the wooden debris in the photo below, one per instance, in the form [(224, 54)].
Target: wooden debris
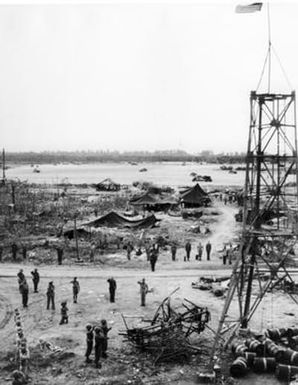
[(167, 336)]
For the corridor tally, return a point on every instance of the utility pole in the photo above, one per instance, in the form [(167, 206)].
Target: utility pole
[(76, 237)]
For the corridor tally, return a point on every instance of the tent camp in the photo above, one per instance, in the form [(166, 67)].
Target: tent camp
[(113, 219), (194, 197), (107, 185)]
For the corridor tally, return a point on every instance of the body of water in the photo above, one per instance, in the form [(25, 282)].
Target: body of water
[(168, 173)]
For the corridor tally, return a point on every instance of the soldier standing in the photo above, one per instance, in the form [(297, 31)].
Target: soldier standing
[(24, 288), (153, 257), (208, 250), (75, 289), (187, 249), (59, 255), (64, 315), (35, 279), (173, 251), (200, 251), (89, 341), (112, 288), (143, 291), (98, 346), (105, 329), (129, 249), (51, 296), (21, 278)]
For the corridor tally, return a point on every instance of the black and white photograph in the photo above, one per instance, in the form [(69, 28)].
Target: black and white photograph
[(148, 192)]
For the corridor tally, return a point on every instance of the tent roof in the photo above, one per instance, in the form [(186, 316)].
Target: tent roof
[(193, 195), (113, 219), (108, 181), (145, 199)]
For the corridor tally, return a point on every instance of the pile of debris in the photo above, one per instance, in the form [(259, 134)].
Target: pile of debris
[(218, 286), (276, 351), (167, 336)]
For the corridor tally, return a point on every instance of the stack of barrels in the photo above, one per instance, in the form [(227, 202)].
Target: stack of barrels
[(273, 352)]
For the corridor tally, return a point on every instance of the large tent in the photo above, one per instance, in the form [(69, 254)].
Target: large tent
[(113, 219), (194, 197)]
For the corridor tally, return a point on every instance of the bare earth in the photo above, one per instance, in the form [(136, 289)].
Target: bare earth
[(123, 365)]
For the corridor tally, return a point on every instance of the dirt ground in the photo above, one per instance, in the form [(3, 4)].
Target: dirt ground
[(124, 365)]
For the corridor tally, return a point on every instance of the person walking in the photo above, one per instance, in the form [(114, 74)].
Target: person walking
[(64, 314), (35, 279), (89, 342), (112, 288), (75, 289), (51, 296), (200, 251), (208, 250), (24, 289), (143, 291), (173, 251), (21, 278), (187, 249)]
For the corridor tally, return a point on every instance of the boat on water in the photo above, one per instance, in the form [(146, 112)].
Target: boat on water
[(143, 169), (36, 169)]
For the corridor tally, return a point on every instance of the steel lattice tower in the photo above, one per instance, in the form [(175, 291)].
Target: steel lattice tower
[(269, 230)]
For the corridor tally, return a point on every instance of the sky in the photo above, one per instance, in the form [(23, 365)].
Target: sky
[(137, 75)]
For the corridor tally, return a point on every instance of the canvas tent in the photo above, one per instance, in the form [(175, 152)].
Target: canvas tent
[(194, 197), (107, 185), (113, 219), (154, 202)]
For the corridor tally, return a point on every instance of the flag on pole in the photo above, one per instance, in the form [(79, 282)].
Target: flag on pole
[(249, 8)]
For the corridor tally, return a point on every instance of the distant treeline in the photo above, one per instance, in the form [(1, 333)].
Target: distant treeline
[(114, 156)]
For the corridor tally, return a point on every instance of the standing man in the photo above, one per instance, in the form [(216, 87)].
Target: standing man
[(187, 249), (59, 255), (24, 289), (98, 346), (208, 250), (14, 250), (200, 251), (143, 291), (129, 249), (64, 315), (89, 341), (51, 296), (153, 257), (75, 289), (21, 278), (35, 279), (105, 329), (173, 251), (92, 252), (112, 288)]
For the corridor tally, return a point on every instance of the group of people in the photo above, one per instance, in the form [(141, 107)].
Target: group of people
[(97, 336), (24, 287), (188, 247)]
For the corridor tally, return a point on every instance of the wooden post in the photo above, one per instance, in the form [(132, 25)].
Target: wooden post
[(76, 238)]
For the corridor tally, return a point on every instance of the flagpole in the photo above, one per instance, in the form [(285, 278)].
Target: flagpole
[(269, 47)]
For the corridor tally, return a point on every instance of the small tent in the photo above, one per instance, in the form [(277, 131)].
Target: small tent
[(107, 185)]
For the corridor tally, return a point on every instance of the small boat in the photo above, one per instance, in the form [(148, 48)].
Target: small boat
[(232, 172), (36, 169), (143, 169)]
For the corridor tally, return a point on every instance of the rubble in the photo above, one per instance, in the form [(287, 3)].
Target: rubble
[(167, 336)]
